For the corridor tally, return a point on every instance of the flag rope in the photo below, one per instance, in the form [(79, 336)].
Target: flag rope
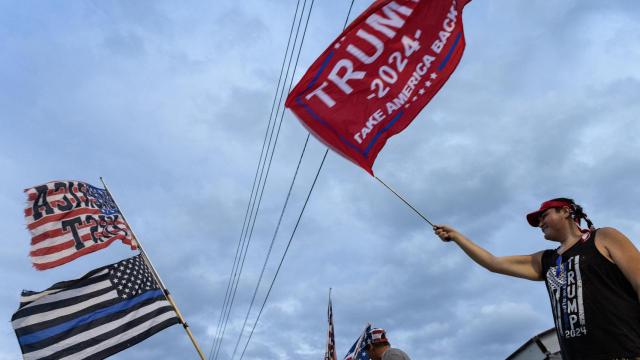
[(155, 274), (405, 201)]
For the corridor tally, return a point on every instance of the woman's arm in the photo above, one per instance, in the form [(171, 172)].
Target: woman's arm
[(522, 266)]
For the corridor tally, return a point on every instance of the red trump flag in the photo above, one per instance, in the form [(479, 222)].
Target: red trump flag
[(374, 79)]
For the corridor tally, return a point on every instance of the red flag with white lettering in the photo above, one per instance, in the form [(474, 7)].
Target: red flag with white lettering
[(374, 79)]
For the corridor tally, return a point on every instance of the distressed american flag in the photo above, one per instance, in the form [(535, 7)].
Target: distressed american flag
[(68, 219), (104, 312), (330, 353)]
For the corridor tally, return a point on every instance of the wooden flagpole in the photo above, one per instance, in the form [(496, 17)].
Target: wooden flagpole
[(405, 201), (157, 277)]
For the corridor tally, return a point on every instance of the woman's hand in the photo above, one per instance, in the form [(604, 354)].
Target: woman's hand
[(446, 233)]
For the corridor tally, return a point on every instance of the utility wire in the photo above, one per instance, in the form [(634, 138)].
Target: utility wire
[(275, 234), (301, 211), (218, 338), (292, 182), (263, 181), (268, 167), (253, 215), (346, 20), (284, 255)]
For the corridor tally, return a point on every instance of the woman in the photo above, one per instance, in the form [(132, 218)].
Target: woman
[(593, 280)]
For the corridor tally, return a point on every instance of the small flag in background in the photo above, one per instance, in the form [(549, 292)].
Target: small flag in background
[(104, 312), (68, 219), (357, 350), (330, 353)]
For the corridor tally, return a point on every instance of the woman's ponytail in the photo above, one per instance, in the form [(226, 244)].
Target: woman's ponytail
[(577, 213)]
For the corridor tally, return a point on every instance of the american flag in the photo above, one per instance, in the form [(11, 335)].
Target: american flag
[(330, 353), (104, 312), (68, 219), (357, 350)]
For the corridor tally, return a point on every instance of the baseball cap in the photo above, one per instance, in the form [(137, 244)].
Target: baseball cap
[(534, 218), (377, 336)]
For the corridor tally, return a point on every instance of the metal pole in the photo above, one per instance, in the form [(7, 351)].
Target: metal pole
[(405, 201), (157, 277)]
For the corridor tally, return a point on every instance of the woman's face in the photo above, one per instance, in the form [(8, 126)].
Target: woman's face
[(553, 221)]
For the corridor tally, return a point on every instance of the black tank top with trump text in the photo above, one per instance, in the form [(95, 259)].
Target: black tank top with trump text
[(595, 308)]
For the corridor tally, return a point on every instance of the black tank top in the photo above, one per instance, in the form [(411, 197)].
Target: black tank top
[(595, 308)]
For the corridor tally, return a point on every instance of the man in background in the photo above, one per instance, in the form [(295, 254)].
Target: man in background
[(379, 347)]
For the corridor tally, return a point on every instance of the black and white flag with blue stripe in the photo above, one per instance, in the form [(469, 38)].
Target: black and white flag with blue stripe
[(104, 312)]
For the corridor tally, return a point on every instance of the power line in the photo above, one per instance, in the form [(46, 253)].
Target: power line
[(284, 255), (218, 337), (264, 181), (268, 167), (292, 181), (301, 211), (280, 107), (275, 234)]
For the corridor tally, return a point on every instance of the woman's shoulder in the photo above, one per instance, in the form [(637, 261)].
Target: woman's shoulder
[(609, 234), (608, 231), (609, 239)]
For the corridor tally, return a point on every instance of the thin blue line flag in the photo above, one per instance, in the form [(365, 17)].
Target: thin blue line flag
[(102, 313)]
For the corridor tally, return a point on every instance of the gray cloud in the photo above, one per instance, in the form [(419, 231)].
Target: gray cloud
[(169, 103)]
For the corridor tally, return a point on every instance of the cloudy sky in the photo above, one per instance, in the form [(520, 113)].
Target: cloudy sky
[(169, 102)]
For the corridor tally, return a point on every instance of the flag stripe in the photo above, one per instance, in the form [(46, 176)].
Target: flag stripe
[(65, 215), (89, 330), (62, 244), (65, 318), (66, 298), (58, 313), (31, 297), (47, 238), (49, 261), (37, 232), (131, 337), (37, 336), (106, 340), (54, 322), (89, 278)]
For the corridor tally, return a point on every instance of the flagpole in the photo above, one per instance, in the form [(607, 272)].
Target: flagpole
[(330, 319), (157, 276), (405, 201)]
